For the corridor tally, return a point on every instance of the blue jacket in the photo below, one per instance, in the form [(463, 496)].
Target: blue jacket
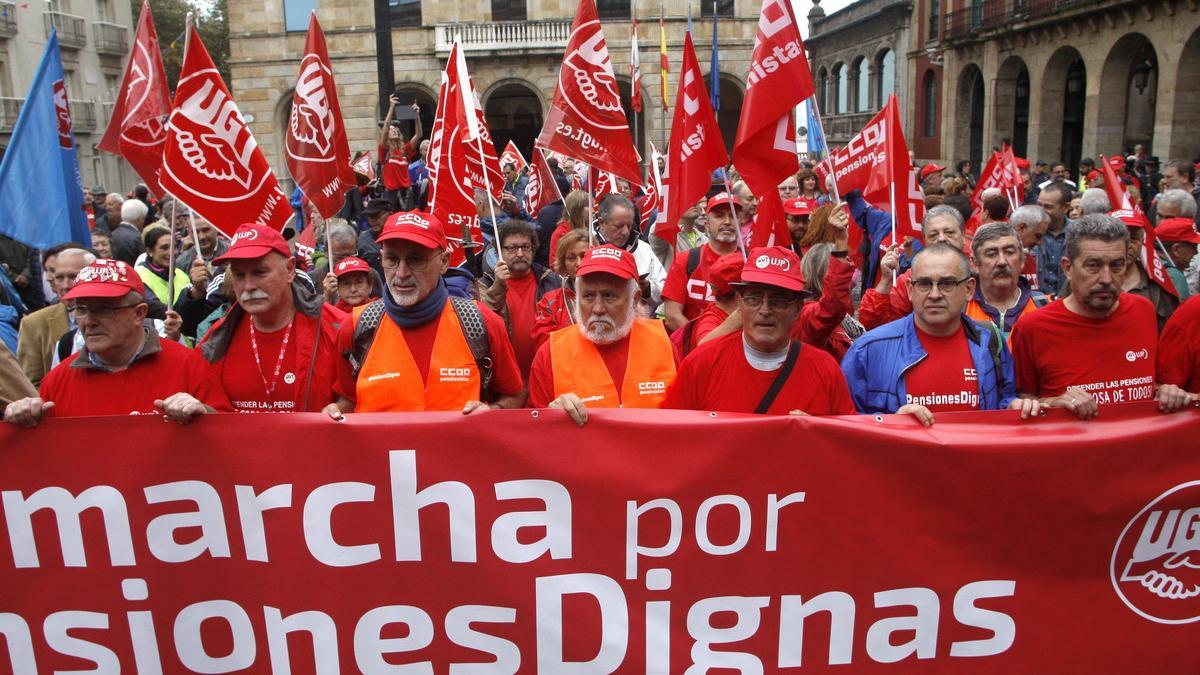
[(876, 363), (876, 225)]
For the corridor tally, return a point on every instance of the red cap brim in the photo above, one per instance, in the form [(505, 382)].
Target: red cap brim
[(755, 276), (247, 253), (98, 289), (420, 238)]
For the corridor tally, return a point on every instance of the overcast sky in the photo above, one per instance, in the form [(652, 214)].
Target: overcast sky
[(803, 6)]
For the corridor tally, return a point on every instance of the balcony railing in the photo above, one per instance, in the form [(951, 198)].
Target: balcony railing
[(8, 18), (83, 115), (504, 36), (72, 30), (840, 128), (111, 38), (985, 15), (10, 109)]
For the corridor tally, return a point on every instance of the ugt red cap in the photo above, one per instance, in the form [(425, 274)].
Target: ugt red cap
[(608, 259), (349, 266), (106, 279), (1177, 229), (254, 240), (774, 266), (724, 272), (420, 228), (798, 207), (720, 199), (929, 169)]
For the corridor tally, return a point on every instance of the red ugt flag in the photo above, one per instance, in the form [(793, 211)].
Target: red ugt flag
[(316, 146), (541, 188), (779, 80), (512, 155), (1132, 215), (137, 130), (211, 161), (586, 120), (696, 148)]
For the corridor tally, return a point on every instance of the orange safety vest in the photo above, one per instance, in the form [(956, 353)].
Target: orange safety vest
[(578, 367), (975, 312), (390, 382)]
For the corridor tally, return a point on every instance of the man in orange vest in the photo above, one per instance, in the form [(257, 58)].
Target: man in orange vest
[(418, 348), (581, 365), (1003, 295)]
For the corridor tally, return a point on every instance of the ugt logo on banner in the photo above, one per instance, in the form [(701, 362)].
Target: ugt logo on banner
[(1156, 563)]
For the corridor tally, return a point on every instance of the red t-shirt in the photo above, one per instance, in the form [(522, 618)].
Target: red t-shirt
[(716, 376), (541, 376), (506, 375), (395, 167), (1110, 358), (86, 392), (246, 381), (1179, 347), (709, 319), (520, 299), (692, 292), (945, 380)]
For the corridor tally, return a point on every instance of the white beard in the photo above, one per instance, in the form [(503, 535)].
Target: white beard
[(606, 336)]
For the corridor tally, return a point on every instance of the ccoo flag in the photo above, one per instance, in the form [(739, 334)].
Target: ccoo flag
[(41, 194)]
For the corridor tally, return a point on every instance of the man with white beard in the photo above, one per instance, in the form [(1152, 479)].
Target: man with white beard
[(580, 365), (276, 349)]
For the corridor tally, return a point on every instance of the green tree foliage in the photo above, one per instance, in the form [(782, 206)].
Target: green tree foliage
[(169, 20)]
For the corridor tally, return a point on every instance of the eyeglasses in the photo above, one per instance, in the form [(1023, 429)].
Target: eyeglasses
[(413, 262), (774, 302), (98, 311), (518, 248), (944, 286)]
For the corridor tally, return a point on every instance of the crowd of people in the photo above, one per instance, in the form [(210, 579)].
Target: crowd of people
[(1045, 304)]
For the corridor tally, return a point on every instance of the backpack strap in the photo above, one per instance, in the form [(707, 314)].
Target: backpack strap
[(1039, 299), (475, 331), (364, 335), (785, 371), (693, 261)]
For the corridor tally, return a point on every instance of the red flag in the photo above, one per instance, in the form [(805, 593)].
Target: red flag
[(779, 80), (1131, 214), (364, 166), (136, 129), (541, 188), (851, 164), (652, 200), (893, 180), (696, 148), (316, 147), (586, 120), (512, 155), (211, 162), (1015, 187), (601, 183)]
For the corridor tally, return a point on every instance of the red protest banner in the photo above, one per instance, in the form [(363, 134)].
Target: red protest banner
[(521, 543)]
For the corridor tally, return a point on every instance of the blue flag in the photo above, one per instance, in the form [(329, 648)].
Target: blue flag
[(714, 69), (817, 149), (41, 193)]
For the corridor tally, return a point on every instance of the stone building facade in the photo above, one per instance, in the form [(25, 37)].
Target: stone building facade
[(513, 48)]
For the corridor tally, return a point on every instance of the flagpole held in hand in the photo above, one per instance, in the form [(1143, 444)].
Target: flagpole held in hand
[(892, 199), (171, 259)]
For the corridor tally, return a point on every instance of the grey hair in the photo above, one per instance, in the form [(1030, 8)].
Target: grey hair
[(738, 188), (132, 298), (115, 195), (1097, 226), (942, 211), (1030, 215), (1181, 198), (941, 247), (992, 232), (340, 230), (1095, 200), (612, 201), (88, 256), (813, 265), (133, 210)]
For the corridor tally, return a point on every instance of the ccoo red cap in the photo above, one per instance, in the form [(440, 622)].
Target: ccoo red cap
[(254, 240), (1177, 229), (724, 272), (798, 207), (420, 228), (1130, 218), (774, 266), (349, 266), (106, 279), (608, 259), (931, 168), (722, 198)]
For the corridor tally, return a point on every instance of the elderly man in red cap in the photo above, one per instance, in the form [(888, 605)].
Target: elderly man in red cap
[(612, 358), (1181, 239), (761, 369), (932, 175), (276, 349), (686, 292), (356, 282), (419, 348), (124, 368)]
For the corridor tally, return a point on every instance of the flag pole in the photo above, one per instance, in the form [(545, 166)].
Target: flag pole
[(171, 260), (816, 109), (591, 192), (636, 72), (662, 109), (892, 200), (488, 189)]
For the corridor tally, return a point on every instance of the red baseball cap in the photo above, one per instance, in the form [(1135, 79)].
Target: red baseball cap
[(420, 228), (1178, 229), (774, 266), (608, 259), (106, 279), (798, 207), (1117, 163), (254, 240), (349, 266), (931, 168), (724, 272), (1093, 175), (722, 198), (1130, 218)]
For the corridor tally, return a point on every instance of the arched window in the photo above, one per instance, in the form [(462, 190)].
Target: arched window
[(930, 95), (862, 80), (885, 79), (842, 81)]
